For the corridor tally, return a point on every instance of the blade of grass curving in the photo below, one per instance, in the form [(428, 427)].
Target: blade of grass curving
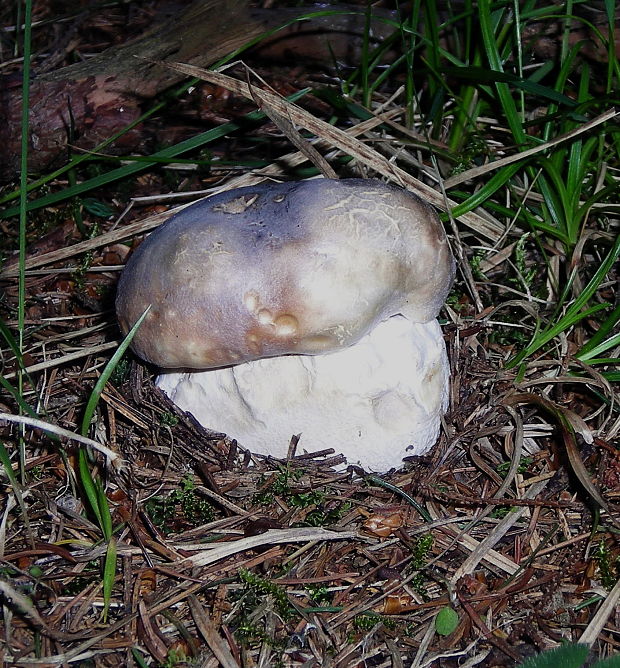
[(11, 342), (436, 85), (524, 215), (606, 327), (555, 199), (23, 176), (507, 212), (481, 75), (467, 110), (109, 574), (387, 72), (602, 347), (14, 346), (24, 407), (518, 41), (499, 179), (409, 40), (570, 318), (566, 70), (465, 39), (95, 494), (579, 165), (377, 63), (574, 313), (137, 657), (614, 361), (93, 489), (5, 460), (568, 10), (607, 193), (376, 480), (89, 411)]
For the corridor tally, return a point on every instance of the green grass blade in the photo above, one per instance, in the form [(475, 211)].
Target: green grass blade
[(608, 361), (606, 327), (500, 178), (89, 486), (610, 662), (507, 103), (566, 70), (574, 313), (566, 656), (109, 574), (481, 75), (24, 407), (365, 64), (23, 177), (14, 346), (11, 342), (570, 318), (556, 200), (89, 411), (613, 66), (138, 658), (376, 480), (5, 460), (104, 510), (23, 218), (608, 344)]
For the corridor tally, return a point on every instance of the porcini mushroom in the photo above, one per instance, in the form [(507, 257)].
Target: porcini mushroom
[(310, 308)]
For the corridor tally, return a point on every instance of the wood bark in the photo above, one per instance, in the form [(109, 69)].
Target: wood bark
[(86, 103)]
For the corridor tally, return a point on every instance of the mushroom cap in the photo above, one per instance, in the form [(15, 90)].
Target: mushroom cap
[(375, 402), (276, 269)]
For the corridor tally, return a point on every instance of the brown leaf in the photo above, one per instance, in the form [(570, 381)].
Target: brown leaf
[(383, 525), (397, 605)]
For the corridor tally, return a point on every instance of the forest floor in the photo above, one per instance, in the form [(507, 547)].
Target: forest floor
[(140, 538)]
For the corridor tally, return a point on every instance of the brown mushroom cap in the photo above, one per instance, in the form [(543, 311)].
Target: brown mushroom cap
[(275, 269)]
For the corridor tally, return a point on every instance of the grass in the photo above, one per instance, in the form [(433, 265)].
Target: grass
[(21, 298), (507, 138)]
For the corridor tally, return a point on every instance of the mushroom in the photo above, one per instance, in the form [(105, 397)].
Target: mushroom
[(309, 307)]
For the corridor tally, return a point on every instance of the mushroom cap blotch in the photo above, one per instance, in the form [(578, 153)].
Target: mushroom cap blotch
[(294, 268)]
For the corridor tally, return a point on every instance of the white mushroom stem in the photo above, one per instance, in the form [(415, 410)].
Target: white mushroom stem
[(375, 402)]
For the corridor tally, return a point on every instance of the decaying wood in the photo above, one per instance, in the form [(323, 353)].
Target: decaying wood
[(84, 104), (103, 95)]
